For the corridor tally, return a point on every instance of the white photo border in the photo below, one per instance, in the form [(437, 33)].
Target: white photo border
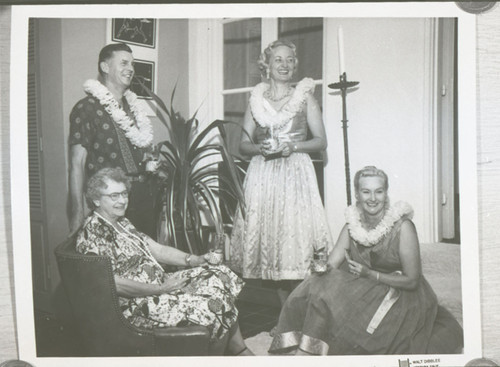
[(467, 169)]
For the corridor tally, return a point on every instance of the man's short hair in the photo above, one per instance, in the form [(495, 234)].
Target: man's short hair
[(107, 52)]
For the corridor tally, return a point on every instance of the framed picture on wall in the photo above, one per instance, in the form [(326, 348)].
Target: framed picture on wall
[(145, 71), (136, 31)]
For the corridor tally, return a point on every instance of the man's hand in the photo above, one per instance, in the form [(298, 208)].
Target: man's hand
[(76, 183)]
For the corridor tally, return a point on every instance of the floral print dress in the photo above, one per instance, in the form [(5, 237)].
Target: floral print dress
[(207, 299)]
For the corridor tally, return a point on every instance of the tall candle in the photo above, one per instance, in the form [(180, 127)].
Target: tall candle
[(340, 37)]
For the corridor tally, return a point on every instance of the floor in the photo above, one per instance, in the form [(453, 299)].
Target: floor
[(256, 318), (56, 340)]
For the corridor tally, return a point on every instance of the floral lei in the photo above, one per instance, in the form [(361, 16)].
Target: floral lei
[(278, 120), (140, 133), (374, 236)]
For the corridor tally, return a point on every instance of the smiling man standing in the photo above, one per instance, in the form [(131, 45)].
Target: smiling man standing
[(108, 128)]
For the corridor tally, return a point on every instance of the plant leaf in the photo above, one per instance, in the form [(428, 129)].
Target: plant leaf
[(209, 196), (158, 101), (200, 174)]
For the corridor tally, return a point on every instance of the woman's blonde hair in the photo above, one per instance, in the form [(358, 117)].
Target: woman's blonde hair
[(370, 171), (265, 56)]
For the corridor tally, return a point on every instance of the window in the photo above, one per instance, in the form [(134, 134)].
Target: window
[(242, 47)]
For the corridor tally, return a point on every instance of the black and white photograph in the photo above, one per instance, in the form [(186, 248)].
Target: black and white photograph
[(303, 185)]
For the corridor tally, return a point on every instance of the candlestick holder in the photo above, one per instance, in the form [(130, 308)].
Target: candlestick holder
[(343, 85)]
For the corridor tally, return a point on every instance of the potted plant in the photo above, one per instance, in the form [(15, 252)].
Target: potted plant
[(196, 174)]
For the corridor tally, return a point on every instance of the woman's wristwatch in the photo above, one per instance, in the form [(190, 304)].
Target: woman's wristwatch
[(293, 147)]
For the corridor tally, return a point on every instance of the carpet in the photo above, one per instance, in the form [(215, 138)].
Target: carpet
[(441, 268), (259, 344)]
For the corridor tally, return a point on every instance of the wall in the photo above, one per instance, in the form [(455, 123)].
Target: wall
[(53, 132), (81, 41), (385, 113), (173, 66)]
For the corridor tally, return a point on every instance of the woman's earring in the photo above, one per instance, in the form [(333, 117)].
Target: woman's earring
[(267, 74)]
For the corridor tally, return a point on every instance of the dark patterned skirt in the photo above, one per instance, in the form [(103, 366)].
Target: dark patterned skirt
[(340, 314)]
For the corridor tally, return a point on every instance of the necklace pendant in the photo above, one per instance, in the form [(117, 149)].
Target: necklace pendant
[(267, 94), (286, 112)]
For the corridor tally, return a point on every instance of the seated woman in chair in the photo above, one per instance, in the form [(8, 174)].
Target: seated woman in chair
[(379, 303), (148, 296)]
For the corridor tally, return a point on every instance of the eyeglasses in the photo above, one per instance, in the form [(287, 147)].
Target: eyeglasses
[(116, 195)]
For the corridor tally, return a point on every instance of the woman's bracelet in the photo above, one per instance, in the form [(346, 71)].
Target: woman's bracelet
[(187, 259)]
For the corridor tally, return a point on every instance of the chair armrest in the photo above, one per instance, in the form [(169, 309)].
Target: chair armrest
[(182, 341)]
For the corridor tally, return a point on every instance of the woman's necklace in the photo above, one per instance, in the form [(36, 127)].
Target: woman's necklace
[(371, 237), (124, 232), (268, 95), (144, 248), (371, 223), (277, 120)]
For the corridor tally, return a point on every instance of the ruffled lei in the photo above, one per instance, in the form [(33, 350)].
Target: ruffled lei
[(140, 132), (276, 120), (369, 238)]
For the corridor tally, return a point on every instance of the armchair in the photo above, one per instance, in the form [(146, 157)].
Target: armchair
[(90, 286)]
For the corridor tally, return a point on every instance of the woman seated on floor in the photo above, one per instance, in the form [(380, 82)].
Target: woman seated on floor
[(149, 297), (379, 302)]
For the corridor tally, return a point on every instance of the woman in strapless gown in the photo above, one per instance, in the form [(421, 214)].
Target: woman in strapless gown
[(285, 220)]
